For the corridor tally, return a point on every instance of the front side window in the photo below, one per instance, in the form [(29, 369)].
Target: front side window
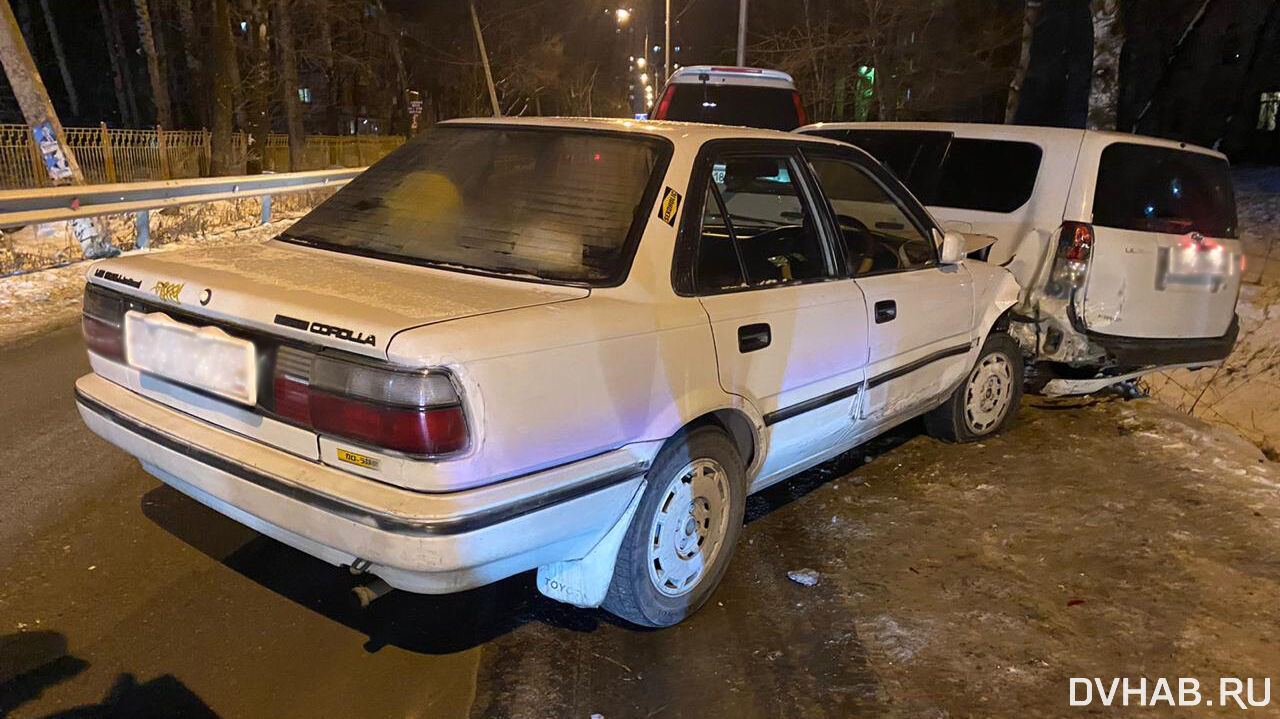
[(1161, 189), (756, 215), (878, 233), (547, 204)]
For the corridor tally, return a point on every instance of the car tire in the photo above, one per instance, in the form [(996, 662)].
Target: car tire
[(683, 533), (986, 401)]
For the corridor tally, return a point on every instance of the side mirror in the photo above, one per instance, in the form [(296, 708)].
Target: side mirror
[(953, 248)]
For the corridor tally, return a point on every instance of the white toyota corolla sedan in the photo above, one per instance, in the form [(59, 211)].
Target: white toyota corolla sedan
[(567, 345)]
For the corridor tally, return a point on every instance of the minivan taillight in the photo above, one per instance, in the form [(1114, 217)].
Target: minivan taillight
[(664, 105), (103, 323), (1071, 261), (801, 117), (415, 412)]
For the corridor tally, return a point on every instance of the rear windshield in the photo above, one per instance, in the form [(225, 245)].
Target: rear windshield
[(549, 204), (769, 108), (1160, 189), (957, 172)]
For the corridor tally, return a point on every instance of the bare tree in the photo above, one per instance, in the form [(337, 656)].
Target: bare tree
[(1108, 40), (159, 84), (119, 66), (1030, 18), (223, 61), (257, 88), (58, 52), (289, 82)]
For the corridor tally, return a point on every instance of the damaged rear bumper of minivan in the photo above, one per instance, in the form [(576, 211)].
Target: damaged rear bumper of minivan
[(432, 543)]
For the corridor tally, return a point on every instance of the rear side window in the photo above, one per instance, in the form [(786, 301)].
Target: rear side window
[(987, 175), (958, 172), (1160, 189), (769, 108)]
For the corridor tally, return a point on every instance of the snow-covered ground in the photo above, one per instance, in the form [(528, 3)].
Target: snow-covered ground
[(1245, 392)]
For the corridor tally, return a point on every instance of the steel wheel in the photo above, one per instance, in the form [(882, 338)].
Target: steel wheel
[(689, 527), (988, 394)]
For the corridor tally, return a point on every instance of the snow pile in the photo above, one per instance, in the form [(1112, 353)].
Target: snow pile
[(1244, 393), (38, 302)]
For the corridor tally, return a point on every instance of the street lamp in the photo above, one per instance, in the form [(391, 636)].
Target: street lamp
[(623, 15), (641, 62)]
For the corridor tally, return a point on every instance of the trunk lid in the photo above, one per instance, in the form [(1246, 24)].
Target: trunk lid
[(325, 298), (1165, 261)]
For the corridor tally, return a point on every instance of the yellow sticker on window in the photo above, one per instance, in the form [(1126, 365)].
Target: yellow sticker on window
[(670, 206), (358, 460)]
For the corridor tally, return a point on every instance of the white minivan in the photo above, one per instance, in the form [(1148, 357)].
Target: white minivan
[(1125, 246)]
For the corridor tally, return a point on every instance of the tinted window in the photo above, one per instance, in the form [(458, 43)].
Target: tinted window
[(770, 108), (1160, 189), (553, 204), (765, 225), (878, 234), (913, 156), (987, 175)]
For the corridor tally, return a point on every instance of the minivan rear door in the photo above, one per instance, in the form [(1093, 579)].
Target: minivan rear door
[(1166, 261)]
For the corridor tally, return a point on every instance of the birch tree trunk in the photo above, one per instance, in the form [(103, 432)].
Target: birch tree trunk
[(62, 58), (1108, 39), (159, 84), (223, 62), (289, 83), (1030, 18)]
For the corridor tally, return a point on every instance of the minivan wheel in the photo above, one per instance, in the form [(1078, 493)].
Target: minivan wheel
[(986, 402), (683, 533)]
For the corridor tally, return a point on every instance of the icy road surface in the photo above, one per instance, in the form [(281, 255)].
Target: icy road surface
[(1096, 539)]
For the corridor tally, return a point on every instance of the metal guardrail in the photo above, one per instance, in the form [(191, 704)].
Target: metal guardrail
[(19, 208)]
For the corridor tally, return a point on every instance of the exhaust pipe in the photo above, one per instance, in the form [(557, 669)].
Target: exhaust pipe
[(365, 594)]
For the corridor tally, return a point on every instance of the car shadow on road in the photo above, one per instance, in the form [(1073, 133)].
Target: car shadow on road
[(434, 624), (31, 662)]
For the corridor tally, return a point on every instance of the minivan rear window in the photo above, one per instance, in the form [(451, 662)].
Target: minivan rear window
[(957, 172), (534, 203), (769, 108), (1162, 189)]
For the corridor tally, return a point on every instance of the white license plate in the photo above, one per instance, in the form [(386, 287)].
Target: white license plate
[(203, 357)]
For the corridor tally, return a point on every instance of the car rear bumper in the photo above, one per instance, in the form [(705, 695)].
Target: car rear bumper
[(1142, 352), (432, 543)]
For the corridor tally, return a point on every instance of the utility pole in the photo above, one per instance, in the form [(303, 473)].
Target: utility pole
[(742, 32), (666, 44), (46, 129), (484, 59)]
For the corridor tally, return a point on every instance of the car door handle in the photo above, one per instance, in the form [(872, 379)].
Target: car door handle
[(753, 337), (886, 311)]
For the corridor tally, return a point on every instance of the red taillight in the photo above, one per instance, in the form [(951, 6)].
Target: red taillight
[(1079, 241), (664, 105), (1071, 261), (103, 338), (413, 431), (417, 413), (103, 323), (801, 117)]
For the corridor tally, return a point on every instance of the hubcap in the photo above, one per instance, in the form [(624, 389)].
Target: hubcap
[(988, 393), (689, 527)]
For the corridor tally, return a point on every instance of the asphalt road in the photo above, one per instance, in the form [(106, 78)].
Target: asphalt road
[(1095, 539)]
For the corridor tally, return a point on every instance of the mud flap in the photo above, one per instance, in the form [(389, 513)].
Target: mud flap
[(584, 582)]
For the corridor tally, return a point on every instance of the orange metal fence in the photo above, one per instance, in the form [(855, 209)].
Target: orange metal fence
[(114, 155)]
